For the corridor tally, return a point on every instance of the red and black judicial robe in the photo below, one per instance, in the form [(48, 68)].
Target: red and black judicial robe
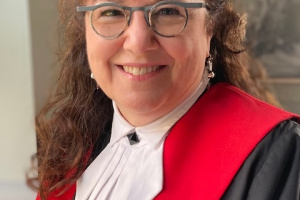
[(229, 146)]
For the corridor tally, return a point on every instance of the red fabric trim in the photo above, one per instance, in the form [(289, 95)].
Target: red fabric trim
[(69, 193), (206, 147)]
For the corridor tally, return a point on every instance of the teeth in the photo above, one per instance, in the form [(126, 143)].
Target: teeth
[(137, 71), (149, 69), (143, 71)]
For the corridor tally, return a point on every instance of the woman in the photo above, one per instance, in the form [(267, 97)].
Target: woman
[(150, 104)]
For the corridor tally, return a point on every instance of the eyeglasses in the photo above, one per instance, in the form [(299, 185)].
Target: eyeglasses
[(166, 18)]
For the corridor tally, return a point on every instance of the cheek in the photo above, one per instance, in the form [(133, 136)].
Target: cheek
[(185, 50), (100, 52), (97, 49), (189, 52), (177, 48), (98, 58)]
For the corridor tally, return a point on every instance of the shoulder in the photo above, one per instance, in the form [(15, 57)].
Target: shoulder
[(272, 170)]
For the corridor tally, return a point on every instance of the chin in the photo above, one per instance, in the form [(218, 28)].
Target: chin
[(147, 106)]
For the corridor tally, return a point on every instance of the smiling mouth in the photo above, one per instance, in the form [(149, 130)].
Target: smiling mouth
[(138, 71)]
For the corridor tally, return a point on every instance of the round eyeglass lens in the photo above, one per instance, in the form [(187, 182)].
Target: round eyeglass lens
[(109, 21), (168, 19)]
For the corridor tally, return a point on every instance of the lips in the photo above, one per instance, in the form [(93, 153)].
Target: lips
[(138, 71)]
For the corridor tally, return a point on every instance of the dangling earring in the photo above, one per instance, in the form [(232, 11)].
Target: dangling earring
[(209, 66), (93, 77)]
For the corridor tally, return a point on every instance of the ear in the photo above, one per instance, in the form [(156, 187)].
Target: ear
[(208, 40), (209, 26)]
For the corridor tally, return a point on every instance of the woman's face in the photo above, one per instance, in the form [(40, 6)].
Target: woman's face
[(172, 67)]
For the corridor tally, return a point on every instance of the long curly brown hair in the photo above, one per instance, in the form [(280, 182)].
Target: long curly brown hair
[(74, 118)]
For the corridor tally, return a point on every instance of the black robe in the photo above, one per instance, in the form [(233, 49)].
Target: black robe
[(272, 171)]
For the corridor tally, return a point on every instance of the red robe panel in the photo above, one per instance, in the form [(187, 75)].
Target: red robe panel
[(207, 146)]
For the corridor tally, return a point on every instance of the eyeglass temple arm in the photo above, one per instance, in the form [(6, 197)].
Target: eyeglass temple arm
[(186, 5), (192, 5), (91, 8)]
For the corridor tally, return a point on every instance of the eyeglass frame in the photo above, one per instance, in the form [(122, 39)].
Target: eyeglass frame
[(147, 13)]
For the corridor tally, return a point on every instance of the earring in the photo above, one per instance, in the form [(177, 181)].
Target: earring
[(93, 77), (209, 66)]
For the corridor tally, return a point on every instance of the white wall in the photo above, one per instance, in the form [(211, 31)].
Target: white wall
[(17, 141), (43, 18), (26, 59)]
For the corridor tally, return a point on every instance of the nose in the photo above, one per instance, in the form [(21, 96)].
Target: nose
[(139, 37)]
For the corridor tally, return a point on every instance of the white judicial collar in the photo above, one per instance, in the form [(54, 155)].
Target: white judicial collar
[(125, 171)]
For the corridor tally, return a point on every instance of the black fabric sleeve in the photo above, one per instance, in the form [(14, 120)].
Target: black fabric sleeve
[(102, 142), (272, 171)]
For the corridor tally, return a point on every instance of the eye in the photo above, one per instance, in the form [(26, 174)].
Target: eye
[(111, 13), (169, 11), (108, 13)]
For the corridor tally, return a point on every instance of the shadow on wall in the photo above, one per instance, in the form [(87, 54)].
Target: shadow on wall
[(273, 32)]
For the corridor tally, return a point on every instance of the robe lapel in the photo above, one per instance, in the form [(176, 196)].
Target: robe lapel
[(206, 148)]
